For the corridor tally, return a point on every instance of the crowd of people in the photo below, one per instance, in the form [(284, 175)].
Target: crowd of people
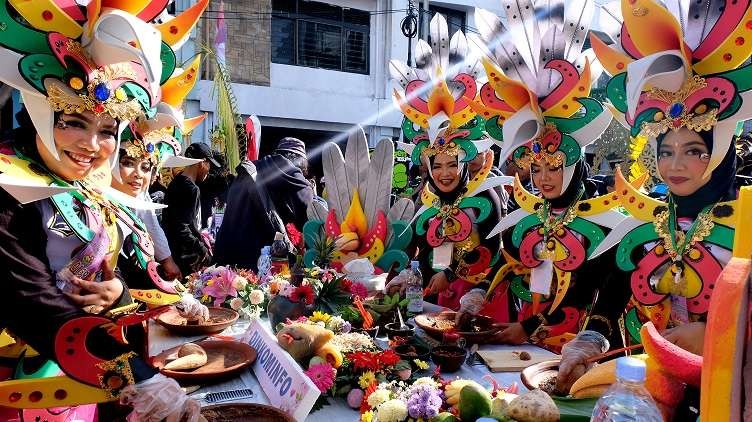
[(569, 261)]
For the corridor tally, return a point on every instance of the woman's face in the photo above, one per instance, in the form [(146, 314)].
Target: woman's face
[(135, 175), (682, 160), (83, 142), (549, 180), (445, 172)]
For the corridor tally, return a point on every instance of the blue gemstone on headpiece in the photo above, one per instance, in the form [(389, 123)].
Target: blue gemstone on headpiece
[(675, 110), (101, 92), (441, 141), (150, 148), (536, 148)]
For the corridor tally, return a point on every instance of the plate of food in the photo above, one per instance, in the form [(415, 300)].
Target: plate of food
[(243, 412), (205, 361), (542, 376), (219, 319), (474, 328)]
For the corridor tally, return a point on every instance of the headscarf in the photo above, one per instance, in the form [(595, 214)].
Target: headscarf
[(572, 192)]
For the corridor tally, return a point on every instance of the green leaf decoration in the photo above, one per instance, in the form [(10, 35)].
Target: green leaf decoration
[(571, 149), (633, 324), (311, 231), (591, 231), (593, 109), (420, 228), (409, 130), (518, 289), (483, 206), (401, 235), (522, 227), (19, 37), (634, 239), (393, 258), (616, 91), (169, 62), (494, 129), (36, 67), (722, 236)]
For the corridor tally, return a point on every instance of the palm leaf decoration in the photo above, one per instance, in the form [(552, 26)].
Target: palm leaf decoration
[(227, 116)]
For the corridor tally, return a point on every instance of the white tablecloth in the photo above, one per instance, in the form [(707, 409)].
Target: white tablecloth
[(160, 340)]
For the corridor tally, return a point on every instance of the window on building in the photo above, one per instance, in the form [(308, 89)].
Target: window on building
[(455, 19), (314, 34)]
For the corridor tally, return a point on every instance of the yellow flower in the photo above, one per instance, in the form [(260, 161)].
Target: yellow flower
[(420, 364), (367, 417), (366, 379), (320, 316)]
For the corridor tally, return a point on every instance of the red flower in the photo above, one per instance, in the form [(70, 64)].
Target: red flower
[(303, 294), (295, 237), (388, 358), (346, 285), (364, 360), (359, 290)]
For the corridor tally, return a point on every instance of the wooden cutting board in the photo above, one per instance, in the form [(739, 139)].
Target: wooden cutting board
[(509, 361)]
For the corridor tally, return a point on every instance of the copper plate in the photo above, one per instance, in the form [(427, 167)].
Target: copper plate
[(219, 319), (437, 324), (244, 412), (533, 375), (224, 359)]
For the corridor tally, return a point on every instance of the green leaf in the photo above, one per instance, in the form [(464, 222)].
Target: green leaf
[(574, 410)]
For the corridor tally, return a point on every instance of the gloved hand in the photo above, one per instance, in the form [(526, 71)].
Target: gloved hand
[(190, 308), (398, 283), (159, 398), (574, 356), (470, 304)]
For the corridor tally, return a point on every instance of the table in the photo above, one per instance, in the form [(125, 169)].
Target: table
[(160, 340)]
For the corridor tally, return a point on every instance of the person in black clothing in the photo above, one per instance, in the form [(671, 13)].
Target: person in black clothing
[(181, 219), (274, 183)]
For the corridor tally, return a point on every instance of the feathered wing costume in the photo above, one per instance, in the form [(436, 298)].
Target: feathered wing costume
[(108, 57), (684, 72), (537, 108)]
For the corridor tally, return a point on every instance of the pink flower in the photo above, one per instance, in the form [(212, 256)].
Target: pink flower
[(322, 375), (221, 287), (359, 290)]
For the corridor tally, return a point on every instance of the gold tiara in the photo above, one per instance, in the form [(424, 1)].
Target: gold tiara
[(676, 115)]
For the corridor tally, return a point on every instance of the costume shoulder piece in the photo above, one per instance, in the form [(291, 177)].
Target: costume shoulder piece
[(683, 73), (113, 57), (435, 98), (360, 222)]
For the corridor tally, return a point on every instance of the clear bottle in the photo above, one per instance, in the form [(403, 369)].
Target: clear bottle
[(414, 289), (264, 262), (627, 399)]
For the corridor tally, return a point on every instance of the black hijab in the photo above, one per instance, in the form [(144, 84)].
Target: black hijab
[(720, 187), (455, 193)]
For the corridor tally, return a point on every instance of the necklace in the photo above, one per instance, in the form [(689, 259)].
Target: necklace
[(677, 243), (555, 224)]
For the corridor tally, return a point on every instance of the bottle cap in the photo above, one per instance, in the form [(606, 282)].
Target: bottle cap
[(630, 369), (279, 236), (266, 250), (414, 265)]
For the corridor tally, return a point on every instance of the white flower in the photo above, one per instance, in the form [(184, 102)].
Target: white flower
[(425, 380), (392, 411), (239, 282), (256, 297), (236, 303), (378, 397)]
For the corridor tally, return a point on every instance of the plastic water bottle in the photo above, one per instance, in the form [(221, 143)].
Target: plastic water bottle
[(264, 262), (414, 289), (627, 399)]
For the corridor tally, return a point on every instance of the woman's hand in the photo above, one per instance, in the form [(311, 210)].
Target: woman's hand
[(438, 283), (170, 269), (575, 356), (96, 296), (511, 333), (689, 337)]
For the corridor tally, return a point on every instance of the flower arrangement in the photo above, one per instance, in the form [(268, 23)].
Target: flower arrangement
[(237, 289)]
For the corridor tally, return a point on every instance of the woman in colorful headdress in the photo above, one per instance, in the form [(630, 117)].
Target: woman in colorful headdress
[(84, 73), (680, 85), (456, 211), (537, 106)]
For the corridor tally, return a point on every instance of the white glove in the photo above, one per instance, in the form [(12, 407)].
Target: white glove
[(190, 308), (575, 355), (472, 301), (400, 280), (158, 398)]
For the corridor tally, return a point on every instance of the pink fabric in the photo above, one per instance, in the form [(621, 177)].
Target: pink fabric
[(84, 413)]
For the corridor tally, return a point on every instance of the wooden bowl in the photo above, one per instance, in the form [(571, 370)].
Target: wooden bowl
[(539, 374), (449, 358), (224, 360), (438, 324), (219, 319), (244, 412)]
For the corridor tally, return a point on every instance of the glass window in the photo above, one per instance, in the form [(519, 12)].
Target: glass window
[(314, 34), (455, 19)]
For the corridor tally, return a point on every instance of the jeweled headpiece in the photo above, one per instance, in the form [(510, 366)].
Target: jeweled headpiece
[(107, 57), (436, 96), (536, 102), (682, 72)]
